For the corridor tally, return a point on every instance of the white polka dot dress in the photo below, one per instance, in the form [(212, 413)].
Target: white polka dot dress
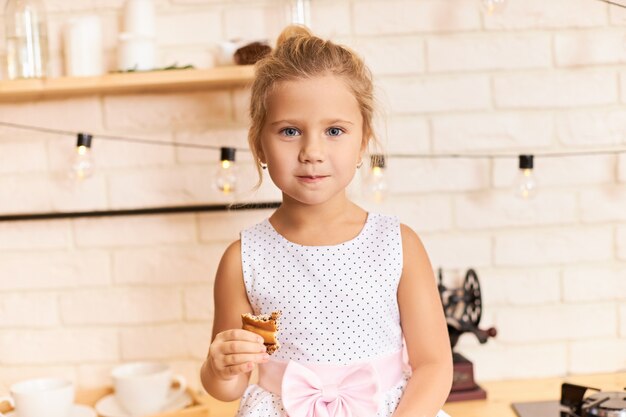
[(338, 302)]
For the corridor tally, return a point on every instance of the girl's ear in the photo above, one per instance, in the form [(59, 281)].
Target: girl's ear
[(261, 156), (364, 143)]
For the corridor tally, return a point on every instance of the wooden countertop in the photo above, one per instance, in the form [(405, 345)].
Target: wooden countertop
[(498, 404), (500, 394)]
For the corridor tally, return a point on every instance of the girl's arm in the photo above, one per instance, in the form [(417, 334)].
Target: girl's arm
[(425, 331), (226, 371)]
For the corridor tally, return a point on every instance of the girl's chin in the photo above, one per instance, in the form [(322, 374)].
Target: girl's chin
[(312, 198)]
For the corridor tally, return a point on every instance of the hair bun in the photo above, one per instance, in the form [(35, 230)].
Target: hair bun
[(293, 31)]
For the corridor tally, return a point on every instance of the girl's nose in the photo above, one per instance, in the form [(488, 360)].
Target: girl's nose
[(312, 151)]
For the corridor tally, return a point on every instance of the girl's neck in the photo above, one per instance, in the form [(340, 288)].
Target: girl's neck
[(293, 214), (319, 225)]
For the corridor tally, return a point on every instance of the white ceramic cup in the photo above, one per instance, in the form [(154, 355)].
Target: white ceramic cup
[(146, 387), (49, 397)]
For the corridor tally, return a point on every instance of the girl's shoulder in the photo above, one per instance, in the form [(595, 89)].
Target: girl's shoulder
[(383, 221), (391, 224)]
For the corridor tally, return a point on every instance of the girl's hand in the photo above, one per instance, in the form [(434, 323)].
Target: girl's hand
[(235, 352)]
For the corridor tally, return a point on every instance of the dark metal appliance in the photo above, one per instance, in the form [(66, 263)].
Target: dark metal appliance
[(463, 309)]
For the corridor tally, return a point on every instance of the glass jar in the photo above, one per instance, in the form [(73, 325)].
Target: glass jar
[(26, 39)]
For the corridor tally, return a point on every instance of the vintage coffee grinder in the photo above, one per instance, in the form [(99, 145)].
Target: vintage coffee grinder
[(463, 309)]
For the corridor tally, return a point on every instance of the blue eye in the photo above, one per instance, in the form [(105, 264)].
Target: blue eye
[(335, 131), (290, 131)]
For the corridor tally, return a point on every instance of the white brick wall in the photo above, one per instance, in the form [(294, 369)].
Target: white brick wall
[(555, 89), (492, 131), (556, 14), (392, 56), (132, 306), (79, 296), (488, 52), (62, 345), (380, 17), (501, 209), (167, 265), (520, 287), (553, 246), (591, 127), (166, 111), (581, 283), (603, 355), (493, 360), (428, 94), (558, 322), (589, 48)]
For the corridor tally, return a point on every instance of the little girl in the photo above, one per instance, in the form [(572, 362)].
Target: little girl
[(355, 288)]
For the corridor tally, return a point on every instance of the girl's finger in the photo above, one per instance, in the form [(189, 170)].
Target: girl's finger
[(240, 335), (239, 359), (228, 348), (239, 369)]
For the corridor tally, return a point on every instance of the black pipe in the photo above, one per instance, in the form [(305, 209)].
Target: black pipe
[(139, 211)]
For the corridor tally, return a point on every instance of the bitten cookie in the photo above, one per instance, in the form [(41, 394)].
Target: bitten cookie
[(266, 326)]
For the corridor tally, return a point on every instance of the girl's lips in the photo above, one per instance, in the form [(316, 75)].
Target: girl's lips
[(311, 178)]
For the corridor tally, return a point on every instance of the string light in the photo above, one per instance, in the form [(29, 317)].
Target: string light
[(82, 165), (226, 175), (376, 187), (526, 183), (375, 183), (492, 7)]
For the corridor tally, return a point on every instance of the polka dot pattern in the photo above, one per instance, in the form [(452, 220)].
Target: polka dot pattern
[(339, 302)]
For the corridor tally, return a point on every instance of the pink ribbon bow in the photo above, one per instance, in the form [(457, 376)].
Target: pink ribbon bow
[(305, 395)]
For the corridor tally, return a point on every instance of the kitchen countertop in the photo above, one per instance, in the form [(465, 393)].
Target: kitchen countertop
[(500, 394), (498, 404)]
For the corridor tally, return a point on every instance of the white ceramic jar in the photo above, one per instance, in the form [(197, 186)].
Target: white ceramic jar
[(83, 48)]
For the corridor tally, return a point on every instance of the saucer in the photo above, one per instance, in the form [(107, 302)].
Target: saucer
[(78, 410), (109, 407)]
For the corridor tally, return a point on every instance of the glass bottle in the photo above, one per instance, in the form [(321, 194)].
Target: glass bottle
[(27, 39)]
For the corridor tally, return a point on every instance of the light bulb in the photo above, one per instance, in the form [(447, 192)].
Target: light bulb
[(526, 183), (226, 175), (82, 165), (492, 7), (376, 187)]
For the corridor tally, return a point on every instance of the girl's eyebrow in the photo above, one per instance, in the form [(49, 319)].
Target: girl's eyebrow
[(332, 121)]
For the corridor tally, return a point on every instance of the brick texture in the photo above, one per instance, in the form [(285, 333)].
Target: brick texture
[(78, 297)]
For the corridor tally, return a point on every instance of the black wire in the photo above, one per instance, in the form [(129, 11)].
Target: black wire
[(446, 156), (118, 138), (161, 143), (613, 3), (616, 151), (395, 155), (38, 129)]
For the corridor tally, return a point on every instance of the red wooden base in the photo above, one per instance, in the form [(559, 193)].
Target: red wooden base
[(463, 385)]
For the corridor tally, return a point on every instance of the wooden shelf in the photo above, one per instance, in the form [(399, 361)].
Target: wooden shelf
[(127, 83)]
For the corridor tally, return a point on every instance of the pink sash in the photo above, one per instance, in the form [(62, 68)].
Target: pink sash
[(324, 390)]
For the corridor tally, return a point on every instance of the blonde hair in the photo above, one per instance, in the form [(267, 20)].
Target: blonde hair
[(300, 54)]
